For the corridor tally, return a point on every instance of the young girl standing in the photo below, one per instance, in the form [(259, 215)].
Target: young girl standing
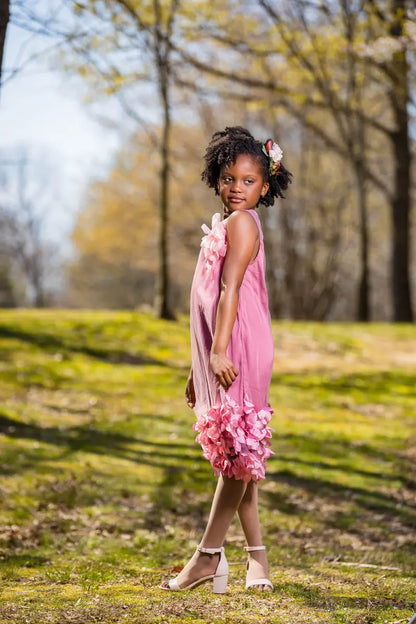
[(232, 351)]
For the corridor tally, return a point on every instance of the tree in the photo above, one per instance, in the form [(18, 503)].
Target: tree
[(4, 20), (161, 30), (331, 71), (31, 261), (399, 95), (122, 48), (115, 262), (105, 39)]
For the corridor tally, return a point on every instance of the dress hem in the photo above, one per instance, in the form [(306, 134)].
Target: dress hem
[(236, 439)]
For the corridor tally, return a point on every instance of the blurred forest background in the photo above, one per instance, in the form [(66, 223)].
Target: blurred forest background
[(332, 82)]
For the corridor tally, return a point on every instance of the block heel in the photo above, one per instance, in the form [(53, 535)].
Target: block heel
[(219, 584)]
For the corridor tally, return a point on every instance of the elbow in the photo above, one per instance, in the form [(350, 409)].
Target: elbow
[(230, 290)]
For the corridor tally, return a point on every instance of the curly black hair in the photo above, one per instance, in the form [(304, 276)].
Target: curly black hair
[(223, 150)]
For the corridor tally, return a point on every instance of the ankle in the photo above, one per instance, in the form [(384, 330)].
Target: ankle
[(210, 550), (207, 557)]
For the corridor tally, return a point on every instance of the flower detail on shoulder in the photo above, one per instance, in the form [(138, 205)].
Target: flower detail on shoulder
[(214, 243)]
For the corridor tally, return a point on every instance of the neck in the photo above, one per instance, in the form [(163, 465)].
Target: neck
[(226, 213)]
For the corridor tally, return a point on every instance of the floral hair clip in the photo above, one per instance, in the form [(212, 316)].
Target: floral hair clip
[(274, 154)]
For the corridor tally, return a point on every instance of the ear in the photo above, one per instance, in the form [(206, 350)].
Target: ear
[(264, 189)]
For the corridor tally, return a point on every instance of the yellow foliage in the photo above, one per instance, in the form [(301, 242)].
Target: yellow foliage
[(119, 225)]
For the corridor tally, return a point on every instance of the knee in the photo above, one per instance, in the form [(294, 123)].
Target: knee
[(250, 496)]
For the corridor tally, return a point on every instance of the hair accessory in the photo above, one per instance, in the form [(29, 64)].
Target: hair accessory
[(274, 154)]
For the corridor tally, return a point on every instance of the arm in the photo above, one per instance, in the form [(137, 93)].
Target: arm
[(189, 390), (242, 234)]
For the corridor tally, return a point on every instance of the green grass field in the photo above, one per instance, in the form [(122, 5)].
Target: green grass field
[(103, 489)]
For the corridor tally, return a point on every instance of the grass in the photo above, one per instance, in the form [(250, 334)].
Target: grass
[(103, 489)]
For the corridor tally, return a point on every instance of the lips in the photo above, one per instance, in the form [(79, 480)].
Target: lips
[(236, 199)]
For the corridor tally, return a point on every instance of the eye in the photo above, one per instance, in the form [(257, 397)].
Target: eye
[(226, 179), (250, 181)]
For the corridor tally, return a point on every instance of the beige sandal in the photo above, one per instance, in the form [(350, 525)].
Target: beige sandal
[(259, 581), (219, 578)]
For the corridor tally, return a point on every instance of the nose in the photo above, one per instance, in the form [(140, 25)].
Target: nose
[(235, 187)]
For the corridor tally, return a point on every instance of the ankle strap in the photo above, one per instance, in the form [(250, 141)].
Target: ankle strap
[(254, 548), (210, 551)]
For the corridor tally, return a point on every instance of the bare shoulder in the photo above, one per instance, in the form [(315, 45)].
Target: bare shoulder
[(241, 223)]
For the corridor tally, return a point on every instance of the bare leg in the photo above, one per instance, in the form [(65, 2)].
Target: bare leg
[(227, 499), (249, 518)]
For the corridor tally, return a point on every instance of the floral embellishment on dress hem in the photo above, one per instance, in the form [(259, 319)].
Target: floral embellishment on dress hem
[(236, 439), (214, 243)]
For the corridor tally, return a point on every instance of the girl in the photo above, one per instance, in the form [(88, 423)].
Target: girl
[(232, 351)]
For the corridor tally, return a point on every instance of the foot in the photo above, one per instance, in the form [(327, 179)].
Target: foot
[(258, 568), (200, 565)]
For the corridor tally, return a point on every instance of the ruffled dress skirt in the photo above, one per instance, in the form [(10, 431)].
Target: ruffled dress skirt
[(233, 425)]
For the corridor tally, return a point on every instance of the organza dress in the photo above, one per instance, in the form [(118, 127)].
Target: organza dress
[(232, 424)]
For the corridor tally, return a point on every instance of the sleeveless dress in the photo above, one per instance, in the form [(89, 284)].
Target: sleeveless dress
[(232, 424)]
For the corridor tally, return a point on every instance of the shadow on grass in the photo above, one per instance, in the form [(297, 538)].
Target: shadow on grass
[(171, 496), (24, 560), (372, 384), (369, 499), (91, 440), (52, 342), (178, 460), (320, 599), (341, 448)]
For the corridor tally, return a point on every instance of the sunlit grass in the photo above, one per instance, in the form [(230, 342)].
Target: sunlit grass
[(103, 488)]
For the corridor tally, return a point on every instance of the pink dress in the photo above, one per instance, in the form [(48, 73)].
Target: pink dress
[(232, 424)]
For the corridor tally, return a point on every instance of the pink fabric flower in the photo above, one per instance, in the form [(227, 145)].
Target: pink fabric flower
[(236, 439), (214, 243)]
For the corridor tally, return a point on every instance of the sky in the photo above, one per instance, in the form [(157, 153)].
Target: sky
[(42, 113)]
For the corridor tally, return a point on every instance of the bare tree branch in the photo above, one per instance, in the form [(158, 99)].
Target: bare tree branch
[(4, 20)]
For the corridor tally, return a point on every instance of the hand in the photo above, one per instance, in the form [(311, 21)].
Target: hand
[(190, 392), (223, 369)]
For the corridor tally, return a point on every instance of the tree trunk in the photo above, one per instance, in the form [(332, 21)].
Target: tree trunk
[(292, 265), (357, 144), (363, 307), (401, 223), (270, 223), (399, 96), (39, 299), (163, 307), (4, 20)]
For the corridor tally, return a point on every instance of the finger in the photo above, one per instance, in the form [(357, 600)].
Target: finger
[(228, 378), (232, 369), (233, 373), (223, 382), (188, 398)]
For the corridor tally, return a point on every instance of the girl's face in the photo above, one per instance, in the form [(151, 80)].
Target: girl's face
[(241, 184)]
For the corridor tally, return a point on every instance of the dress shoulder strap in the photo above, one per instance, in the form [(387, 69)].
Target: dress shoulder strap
[(257, 220)]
